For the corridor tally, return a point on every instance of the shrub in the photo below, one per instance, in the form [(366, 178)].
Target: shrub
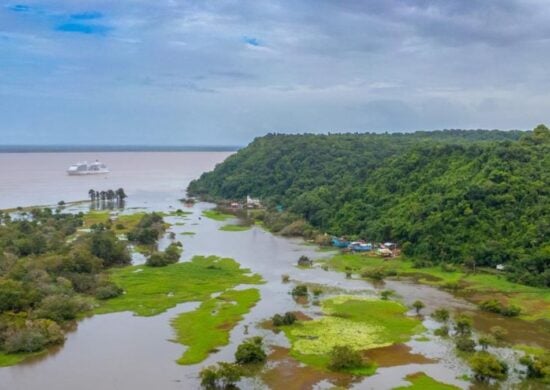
[(465, 344), (160, 259), (304, 261), (537, 366), (173, 252), (108, 290), (287, 319), (61, 307), (344, 358), (285, 278), (485, 341), (486, 366), (374, 274), (495, 306), (222, 376), (34, 336), (442, 332), (463, 325), (250, 351), (498, 332), (300, 290), (441, 315)]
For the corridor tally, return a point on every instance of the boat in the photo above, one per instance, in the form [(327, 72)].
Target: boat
[(358, 246), (83, 168), (340, 242)]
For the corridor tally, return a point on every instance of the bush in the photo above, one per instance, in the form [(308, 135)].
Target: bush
[(344, 358), (285, 278), (305, 261), (287, 319), (386, 294), (418, 306), (61, 308), (300, 290), (34, 336), (159, 259), (222, 376), (374, 274), (485, 366), (441, 315), (495, 306), (538, 366), (463, 325), (442, 332), (465, 344), (250, 351), (107, 291), (498, 332)]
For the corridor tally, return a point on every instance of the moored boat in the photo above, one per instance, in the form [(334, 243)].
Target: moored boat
[(83, 168)]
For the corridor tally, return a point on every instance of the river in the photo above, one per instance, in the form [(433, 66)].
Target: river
[(123, 351)]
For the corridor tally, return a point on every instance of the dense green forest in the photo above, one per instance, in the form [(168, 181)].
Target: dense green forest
[(453, 196)]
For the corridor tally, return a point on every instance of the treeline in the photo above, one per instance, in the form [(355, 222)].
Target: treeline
[(51, 273), (476, 197)]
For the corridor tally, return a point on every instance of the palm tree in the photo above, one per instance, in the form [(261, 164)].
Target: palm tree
[(110, 195), (91, 194)]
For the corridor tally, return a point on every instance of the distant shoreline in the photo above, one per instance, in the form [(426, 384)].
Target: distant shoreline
[(113, 148)]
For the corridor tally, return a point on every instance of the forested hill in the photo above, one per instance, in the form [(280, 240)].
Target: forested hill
[(456, 196)]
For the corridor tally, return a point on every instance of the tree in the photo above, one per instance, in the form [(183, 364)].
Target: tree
[(441, 315), (91, 194), (250, 351), (485, 366), (465, 344), (343, 357), (418, 305), (463, 325), (222, 376)]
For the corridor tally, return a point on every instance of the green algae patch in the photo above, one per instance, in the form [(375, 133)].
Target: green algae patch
[(217, 215), (235, 228), (208, 327), (361, 323), (421, 381), (149, 291)]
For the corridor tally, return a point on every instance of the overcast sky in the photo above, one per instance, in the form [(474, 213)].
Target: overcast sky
[(222, 72)]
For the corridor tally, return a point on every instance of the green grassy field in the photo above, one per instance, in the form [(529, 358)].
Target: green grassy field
[(207, 328), (235, 228), (359, 322), (217, 215), (421, 381), (150, 291), (535, 302)]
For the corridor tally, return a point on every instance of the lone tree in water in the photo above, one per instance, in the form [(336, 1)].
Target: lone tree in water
[(418, 305)]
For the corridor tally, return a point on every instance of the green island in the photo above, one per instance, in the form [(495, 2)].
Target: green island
[(235, 228), (421, 381), (217, 215), (361, 323), (208, 327), (152, 290)]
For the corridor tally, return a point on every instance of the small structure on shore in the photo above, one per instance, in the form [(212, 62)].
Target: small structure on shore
[(252, 202)]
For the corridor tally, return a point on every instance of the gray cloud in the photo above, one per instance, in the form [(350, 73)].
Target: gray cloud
[(225, 71)]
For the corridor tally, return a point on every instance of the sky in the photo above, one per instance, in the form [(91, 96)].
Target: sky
[(223, 72)]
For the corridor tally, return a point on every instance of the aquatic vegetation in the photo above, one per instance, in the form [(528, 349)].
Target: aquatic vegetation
[(208, 327), (421, 381), (360, 323), (235, 228), (153, 290), (217, 215)]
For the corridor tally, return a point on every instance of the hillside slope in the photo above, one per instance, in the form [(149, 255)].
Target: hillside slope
[(445, 196)]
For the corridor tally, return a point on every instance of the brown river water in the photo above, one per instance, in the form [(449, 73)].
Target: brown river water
[(123, 351)]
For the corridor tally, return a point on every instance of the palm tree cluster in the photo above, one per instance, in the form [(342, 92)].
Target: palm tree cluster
[(109, 196)]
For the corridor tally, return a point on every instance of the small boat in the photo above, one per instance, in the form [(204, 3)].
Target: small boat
[(340, 242), (83, 168), (358, 246)]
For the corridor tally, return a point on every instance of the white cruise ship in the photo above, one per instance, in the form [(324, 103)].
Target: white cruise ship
[(83, 168)]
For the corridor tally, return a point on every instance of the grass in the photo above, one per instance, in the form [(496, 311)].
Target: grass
[(95, 218), (188, 233), (535, 302), (128, 221), (217, 215), (11, 359), (150, 291), (235, 228), (359, 322), (208, 327), (421, 381)]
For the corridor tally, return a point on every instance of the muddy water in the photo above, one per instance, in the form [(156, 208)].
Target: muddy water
[(122, 351)]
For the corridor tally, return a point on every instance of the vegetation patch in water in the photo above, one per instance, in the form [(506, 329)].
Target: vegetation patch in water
[(534, 301), (149, 291), (207, 328), (421, 381), (357, 322), (235, 228), (217, 215)]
